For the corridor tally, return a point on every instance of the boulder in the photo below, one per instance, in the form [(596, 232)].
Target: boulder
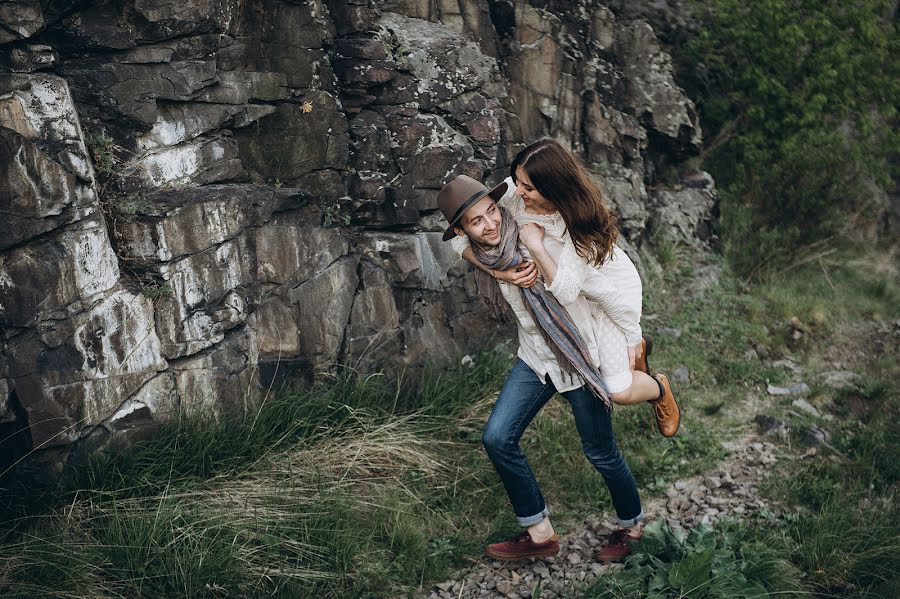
[(46, 178), (625, 193), (686, 213), (201, 296), (72, 374), (196, 163), (20, 19), (220, 379), (444, 63), (330, 292), (164, 225), (43, 278), (653, 96)]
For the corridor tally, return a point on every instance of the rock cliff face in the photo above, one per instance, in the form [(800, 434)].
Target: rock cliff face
[(199, 197)]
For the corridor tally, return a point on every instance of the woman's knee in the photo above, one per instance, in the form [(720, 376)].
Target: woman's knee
[(622, 397)]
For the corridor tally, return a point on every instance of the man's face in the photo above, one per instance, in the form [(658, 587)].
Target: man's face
[(481, 223)]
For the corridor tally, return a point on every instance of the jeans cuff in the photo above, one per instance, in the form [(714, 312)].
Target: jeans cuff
[(631, 521), (526, 521)]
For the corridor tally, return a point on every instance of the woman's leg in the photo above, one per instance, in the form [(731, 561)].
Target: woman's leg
[(628, 387), (643, 388)]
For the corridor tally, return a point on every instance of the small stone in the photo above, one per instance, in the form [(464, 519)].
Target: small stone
[(807, 407), (787, 364), (669, 332), (751, 355), (731, 446), (445, 586), (796, 390), (712, 482), (841, 379), (504, 587), (816, 436), (681, 375), (574, 558), (682, 485), (772, 427)]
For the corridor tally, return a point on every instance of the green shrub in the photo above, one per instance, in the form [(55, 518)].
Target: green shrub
[(798, 99), (730, 562)]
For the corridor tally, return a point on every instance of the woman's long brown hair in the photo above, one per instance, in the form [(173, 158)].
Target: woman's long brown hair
[(559, 176)]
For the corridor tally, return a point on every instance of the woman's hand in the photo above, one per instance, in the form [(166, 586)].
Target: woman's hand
[(524, 275), (532, 235), (633, 351)]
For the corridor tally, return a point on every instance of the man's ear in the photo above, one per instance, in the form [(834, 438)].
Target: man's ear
[(458, 231)]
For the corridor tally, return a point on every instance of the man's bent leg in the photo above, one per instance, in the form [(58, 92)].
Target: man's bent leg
[(522, 396)]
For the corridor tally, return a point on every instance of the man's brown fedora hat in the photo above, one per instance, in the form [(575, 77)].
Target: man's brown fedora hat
[(459, 195)]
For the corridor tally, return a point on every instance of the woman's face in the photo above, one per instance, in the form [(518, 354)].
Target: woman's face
[(533, 199)]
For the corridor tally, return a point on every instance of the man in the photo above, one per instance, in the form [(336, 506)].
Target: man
[(556, 354)]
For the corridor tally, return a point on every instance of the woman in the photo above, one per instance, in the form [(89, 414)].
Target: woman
[(556, 202)]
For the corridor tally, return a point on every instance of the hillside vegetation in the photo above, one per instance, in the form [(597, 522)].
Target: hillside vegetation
[(798, 101)]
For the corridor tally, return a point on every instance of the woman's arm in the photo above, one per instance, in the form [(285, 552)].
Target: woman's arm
[(532, 236)]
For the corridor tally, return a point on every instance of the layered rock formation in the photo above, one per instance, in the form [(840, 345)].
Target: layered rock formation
[(198, 198)]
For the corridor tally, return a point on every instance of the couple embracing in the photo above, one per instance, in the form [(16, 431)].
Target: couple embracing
[(544, 242)]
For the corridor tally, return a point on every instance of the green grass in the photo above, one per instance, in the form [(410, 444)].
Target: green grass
[(370, 487), (845, 541)]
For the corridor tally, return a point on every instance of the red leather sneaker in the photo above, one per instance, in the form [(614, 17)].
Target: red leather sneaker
[(522, 547), (618, 547)]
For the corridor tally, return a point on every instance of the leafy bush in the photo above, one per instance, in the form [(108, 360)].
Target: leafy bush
[(728, 563), (797, 99)]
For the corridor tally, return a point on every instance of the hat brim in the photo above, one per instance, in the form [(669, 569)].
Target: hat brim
[(497, 192)]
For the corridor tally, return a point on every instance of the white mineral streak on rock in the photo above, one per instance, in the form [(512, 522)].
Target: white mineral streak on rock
[(436, 257), (96, 268), (171, 165), (119, 336), (51, 109), (163, 133)]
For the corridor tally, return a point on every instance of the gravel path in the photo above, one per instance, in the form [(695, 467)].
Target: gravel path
[(731, 489)]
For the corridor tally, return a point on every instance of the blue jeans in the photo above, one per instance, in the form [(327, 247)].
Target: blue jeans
[(522, 396)]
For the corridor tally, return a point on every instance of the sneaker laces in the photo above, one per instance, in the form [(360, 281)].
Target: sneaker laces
[(662, 410)]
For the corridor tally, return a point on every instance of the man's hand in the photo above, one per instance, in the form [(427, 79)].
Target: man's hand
[(524, 275), (531, 234)]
